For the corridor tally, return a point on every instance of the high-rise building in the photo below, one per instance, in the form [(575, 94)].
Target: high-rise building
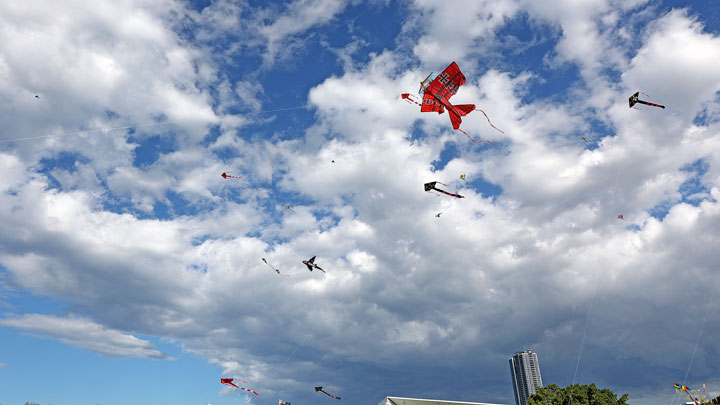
[(525, 372)]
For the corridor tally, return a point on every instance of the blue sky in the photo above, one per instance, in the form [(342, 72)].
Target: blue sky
[(131, 272)]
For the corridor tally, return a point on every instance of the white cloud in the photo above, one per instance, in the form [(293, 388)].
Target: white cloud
[(85, 334), (299, 16), (491, 276)]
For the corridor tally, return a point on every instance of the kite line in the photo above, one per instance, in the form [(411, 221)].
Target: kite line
[(134, 126), (702, 326), (592, 298)]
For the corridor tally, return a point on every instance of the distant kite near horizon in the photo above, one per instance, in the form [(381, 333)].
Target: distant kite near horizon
[(686, 390), (437, 91), (289, 208), (431, 186), (634, 99), (229, 381), (228, 176), (320, 389)]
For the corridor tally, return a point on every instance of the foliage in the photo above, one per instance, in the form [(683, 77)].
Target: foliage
[(575, 395)]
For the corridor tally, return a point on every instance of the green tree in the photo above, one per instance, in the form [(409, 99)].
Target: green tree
[(575, 394)]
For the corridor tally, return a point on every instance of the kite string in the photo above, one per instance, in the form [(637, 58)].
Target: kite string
[(702, 326), (135, 126), (587, 321), (592, 298)]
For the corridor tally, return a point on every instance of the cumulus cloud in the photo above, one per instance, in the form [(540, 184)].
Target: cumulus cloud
[(83, 333), (498, 272)]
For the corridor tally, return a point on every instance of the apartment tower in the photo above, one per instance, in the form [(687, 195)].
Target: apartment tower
[(525, 373)]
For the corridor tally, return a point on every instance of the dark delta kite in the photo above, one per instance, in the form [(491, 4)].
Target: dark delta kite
[(229, 381), (311, 264), (431, 186), (319, 389), (634, 99), (227, 176), (289, 208), (436, 94)]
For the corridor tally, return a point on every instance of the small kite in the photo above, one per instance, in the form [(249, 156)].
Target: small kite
[(431, 186), (271, 266), (227, 176), (584, 139), (283, 402), (311, 264), (319, 389), (686, 390), (229, 381), (634, 100), (37, 97), (436, 93), (622, 218), (438, 215), (289, 208), (462, 176)]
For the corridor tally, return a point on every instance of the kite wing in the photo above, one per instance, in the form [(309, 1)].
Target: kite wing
[(312, 260), (447, 83), (430, 104)]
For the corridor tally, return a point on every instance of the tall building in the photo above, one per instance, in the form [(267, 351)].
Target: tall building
[(525, 373)]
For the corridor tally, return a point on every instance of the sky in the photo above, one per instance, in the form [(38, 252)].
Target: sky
[(132, 272)]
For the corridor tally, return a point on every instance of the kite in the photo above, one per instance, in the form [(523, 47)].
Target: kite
[(287, 207), (227, 176), (462, 176), (634, 100), (431, 186), (271, 266), (584, 139), (436, 94), (319, 389), (685, 389), (229, 381), (438, 215), (283, 402), (37, 97), (311, 264)]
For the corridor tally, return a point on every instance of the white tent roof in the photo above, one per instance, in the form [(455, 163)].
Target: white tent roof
[(418, 401)]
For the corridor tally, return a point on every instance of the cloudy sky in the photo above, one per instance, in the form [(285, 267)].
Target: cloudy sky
[(131, 271)]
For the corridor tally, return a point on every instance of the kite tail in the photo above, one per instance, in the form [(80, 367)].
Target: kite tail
[(245, 389), (473, 139), (652, 104), (331, 396), (409, 98), (448, 193), (488, 118)]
